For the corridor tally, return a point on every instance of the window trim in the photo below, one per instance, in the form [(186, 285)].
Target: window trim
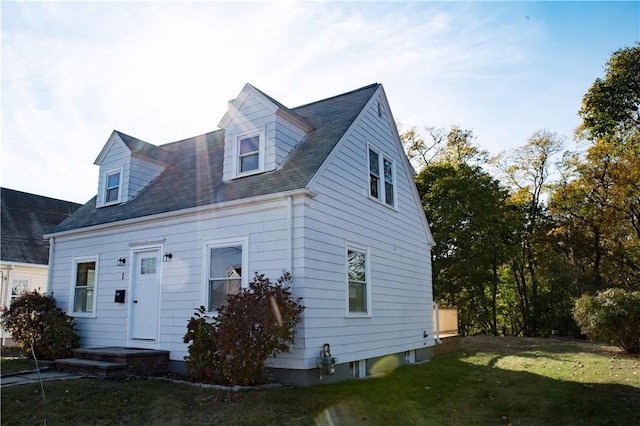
[(261, 152), (382, 190), (108, 173), (11, 286), (206, 265), (362, 249), (72, 296)]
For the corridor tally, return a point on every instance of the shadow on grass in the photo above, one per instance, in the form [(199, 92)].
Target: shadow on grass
[(448, 391)]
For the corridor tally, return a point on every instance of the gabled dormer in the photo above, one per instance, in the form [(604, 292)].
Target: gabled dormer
[(127, 165), (259, 134)]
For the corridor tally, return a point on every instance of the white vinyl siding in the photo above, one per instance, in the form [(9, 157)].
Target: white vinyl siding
[(260, 228), (398, 243)]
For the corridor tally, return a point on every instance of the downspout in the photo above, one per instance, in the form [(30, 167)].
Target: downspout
[(52, 245), (290, 234), (437, 328)]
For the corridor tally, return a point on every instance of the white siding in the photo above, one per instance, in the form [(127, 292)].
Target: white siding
[(398, 244), (182, 280), (280, 135), (118, 157), (141, 172)]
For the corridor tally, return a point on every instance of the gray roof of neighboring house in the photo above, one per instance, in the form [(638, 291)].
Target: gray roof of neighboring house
[(25, 219), (194, 178)]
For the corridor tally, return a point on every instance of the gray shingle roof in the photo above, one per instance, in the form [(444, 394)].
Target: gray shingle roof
[(25, 219), (195, 177)]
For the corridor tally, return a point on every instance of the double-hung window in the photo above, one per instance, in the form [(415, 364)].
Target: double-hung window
[(357, 277), (381, 178), (249, 154), (225, 274), (84, 286), (112, 187)]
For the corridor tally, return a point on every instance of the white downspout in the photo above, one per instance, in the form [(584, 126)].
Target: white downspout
[(437, 330), (52, 245), (290, 235)]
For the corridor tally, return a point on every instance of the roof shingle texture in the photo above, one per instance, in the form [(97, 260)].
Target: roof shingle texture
[(25, 219), (195, 177)]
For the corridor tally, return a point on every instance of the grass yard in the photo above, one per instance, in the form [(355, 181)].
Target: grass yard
[(492, 381)]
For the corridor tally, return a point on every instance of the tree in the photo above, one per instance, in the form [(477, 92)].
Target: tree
[(598, 207), (526, 170), (468, 211), (610, 106)]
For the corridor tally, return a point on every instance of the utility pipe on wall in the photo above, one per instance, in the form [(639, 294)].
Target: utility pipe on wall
[(435, 306)]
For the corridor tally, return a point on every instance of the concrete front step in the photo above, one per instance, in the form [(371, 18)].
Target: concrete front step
[(102, 362), (91, 367)]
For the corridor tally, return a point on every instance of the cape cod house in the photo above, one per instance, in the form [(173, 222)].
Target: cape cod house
[(322, 190)]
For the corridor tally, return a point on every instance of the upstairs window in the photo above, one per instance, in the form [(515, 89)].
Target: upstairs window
[(381, 178), (248, 154), (112, 187)]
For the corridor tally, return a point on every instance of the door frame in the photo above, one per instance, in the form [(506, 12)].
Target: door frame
[(134, 253)]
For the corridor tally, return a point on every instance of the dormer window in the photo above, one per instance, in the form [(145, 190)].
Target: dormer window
[(112, 187), (249, 153), (250, 157)]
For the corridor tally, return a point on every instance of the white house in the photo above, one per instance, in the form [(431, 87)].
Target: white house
[(24, 254), (323, 191)]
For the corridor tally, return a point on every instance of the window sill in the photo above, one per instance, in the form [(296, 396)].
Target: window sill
[(358, 315), (394, 208), (82, 315)]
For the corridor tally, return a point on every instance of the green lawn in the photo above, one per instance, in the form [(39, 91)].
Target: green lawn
[(492, 381)]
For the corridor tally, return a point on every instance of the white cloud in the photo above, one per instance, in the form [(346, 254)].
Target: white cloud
[(72, 72)]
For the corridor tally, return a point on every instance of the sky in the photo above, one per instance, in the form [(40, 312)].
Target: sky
[(72, 72)]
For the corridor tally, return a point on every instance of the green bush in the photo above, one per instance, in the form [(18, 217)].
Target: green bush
[(613, 315), (34, 318), (257, 323)]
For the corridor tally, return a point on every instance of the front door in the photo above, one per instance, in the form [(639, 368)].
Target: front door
[(145, 295)]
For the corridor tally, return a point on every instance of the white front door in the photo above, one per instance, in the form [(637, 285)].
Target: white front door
[(145, 295)]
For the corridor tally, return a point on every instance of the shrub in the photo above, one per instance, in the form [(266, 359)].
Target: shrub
[(204, 356), (613, 315), (257, 323), (35, 318)]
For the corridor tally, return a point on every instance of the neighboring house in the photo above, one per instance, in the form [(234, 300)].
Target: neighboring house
[(24, 253), (323, 191)]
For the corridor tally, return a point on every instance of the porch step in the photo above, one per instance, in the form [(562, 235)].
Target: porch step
[(91, 367), (116, 362)]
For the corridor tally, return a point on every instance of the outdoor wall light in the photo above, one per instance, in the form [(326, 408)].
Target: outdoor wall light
[(122, 261), (168, 257)]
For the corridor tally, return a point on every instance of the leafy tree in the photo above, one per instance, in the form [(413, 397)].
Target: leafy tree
[(613, 315), (467, 211), (610, 106), (526, 170), (598, 205), (257, 323), (34, 319)]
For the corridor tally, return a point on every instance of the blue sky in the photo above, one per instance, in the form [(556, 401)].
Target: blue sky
[(74, 71)]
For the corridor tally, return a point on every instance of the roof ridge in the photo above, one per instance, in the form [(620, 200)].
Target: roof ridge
[(338, 95)]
